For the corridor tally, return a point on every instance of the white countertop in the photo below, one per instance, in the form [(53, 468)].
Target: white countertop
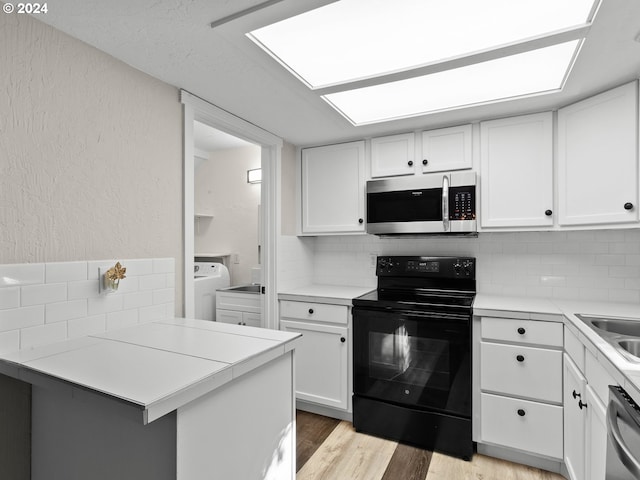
[(155, 367), (628, 372), (334, 294)]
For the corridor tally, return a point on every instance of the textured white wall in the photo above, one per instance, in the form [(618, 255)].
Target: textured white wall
[(221, 188), (90, 153)]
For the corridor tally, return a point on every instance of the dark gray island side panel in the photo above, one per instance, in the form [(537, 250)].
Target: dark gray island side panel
[(15, 425)]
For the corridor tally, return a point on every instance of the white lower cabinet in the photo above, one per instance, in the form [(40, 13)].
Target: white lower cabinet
[(239, 308), (575, 418), (239, 318), (322, 356), (520, 378)]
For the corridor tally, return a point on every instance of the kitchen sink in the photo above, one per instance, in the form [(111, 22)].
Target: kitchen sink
[(623, 334), (243, 289), (632, 347)]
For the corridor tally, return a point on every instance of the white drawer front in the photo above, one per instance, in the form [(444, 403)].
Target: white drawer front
[(523, 371), (534, 332), (316, 312), (529, 426)]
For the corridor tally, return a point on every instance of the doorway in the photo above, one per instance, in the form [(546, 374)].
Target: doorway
[(197, 110)]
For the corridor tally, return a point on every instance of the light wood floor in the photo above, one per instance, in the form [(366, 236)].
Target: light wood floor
[(330, 449)]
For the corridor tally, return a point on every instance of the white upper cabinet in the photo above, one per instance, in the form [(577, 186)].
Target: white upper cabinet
[(597, 159), (333, 180), (516, 171), (393, 155), (446, 149)]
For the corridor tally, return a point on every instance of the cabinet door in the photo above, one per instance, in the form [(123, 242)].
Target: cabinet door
[(574, 420), (393, 155), (447, 149), (596, 438), (333, 188), (229, 316), (516, 171), (597, 159), (252, 319), (321, 363)]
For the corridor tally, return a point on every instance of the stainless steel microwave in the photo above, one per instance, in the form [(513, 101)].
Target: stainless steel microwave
[(422, 204)]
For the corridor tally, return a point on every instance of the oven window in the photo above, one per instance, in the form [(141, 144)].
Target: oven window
[(407, 359)]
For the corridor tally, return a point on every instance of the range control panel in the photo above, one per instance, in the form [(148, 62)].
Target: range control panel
[(431, 267)]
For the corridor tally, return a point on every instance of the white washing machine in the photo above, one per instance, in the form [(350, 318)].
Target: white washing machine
[(209, 276)]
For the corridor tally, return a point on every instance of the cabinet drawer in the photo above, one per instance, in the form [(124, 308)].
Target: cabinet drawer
[(523, 371), (529, 426), (534, 332), (317, 312)]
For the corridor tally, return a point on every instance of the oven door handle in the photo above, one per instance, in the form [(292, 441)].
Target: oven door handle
[(622, 450), (445, 203)]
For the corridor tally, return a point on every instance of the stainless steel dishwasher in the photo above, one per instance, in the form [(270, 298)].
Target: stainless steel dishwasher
[(623, 432)]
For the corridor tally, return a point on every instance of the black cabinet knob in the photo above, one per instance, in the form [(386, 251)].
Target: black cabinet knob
[(628, 206), (521, 331), (361, 220), (521, 412), (410, 163), (311, 311), (425, 161), (548, 213), (576, 394), (581, 405), (342, 339), (520, 358)]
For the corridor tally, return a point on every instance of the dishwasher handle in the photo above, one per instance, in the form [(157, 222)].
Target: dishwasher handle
[(615, 410)]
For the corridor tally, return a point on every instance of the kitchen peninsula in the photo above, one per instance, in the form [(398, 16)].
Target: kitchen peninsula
[(173, 399)]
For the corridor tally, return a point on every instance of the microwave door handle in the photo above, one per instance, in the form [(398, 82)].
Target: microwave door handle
[(445, 203), (622, 450)]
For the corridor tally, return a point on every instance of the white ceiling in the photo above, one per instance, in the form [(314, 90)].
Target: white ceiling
[(173, 41)]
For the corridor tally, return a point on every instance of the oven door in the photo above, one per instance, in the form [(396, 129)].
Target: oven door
[(416, 359)]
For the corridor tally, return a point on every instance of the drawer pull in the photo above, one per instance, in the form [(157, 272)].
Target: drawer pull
[(311, 311), (521, 412), (520, 358), (576, 394), (521, 331)]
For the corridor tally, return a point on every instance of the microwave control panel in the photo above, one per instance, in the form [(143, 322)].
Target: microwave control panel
[(462, 203)]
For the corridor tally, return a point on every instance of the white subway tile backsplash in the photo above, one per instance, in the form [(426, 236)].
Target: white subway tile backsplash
[(21, 274), (9, 297), (41, 294), (21, 317), (81, 327), (42, 334), (58, 312), (65, 272), (9, 341), (43, 303)]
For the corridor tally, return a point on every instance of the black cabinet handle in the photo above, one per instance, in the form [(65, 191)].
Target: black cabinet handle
[(548, 213), (342, 339), (425, 161), (311, 311), (581, 405), (628, 206), (360, 220), (521, 331), (521, 412), (410, 163), (576, 394), (520, 358)]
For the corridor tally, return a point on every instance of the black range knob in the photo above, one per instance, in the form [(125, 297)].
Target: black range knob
[(548, 213), (521, 331), (628, 206)]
